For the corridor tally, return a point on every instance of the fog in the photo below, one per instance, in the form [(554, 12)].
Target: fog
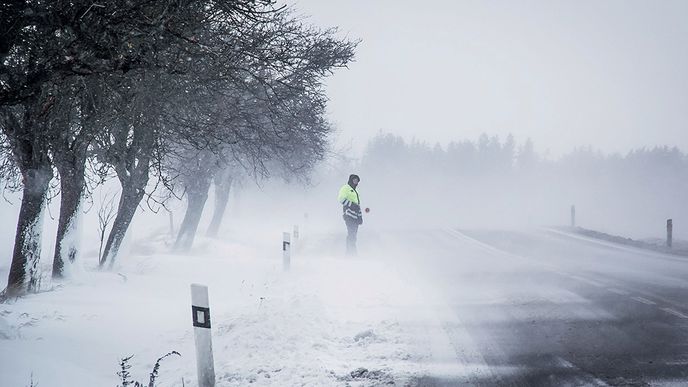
[(566, 74), (490, 183), (598, 88)]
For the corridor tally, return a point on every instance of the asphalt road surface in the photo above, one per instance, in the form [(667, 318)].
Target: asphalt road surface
[(540, 308)]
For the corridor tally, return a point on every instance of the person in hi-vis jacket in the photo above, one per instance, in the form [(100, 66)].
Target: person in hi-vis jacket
[(351, 206)]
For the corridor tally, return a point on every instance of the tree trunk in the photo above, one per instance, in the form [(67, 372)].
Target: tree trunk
[(70, 152), (72, 185), (26, 135), (223, 183), (196, 196), (24, 276), (128, 203), (132, 165)]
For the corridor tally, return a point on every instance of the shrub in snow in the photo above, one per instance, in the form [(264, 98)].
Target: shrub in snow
[(32, 383), (125, 376)]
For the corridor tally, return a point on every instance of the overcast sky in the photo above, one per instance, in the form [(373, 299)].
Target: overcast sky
[(613, 74)]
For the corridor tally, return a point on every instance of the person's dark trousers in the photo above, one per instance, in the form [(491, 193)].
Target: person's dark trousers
[(352, 230)]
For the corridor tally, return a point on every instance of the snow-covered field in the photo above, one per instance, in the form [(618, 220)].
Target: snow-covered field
[(325, 322)]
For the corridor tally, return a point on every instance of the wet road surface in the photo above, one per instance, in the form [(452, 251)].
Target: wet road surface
[(540, 308)]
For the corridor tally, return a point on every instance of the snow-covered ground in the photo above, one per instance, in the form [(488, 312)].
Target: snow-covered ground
[(325, 322)]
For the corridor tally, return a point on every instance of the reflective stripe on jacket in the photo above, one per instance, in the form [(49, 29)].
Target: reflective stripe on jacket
[(348, 198)]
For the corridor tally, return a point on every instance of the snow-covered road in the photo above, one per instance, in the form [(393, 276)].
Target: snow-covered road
[(542, 308)]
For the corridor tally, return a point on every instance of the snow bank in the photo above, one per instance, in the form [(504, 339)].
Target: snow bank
[(329, 321)]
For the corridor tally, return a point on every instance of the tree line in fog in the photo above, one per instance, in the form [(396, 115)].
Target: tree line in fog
[(491, 155), (501, 179)]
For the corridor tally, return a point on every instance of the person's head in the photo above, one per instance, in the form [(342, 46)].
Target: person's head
[(353, 180)]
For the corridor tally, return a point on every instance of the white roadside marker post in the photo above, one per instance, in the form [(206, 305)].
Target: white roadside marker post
[(286, 251), (200, 309), (573, 216)]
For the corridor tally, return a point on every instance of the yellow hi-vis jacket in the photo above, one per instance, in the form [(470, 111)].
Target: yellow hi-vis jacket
[(351, 204)]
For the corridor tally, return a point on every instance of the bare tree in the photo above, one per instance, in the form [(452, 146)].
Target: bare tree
[(222, 180), (23, 127), (271, 109), (285, 136), (129, 146), (78, 117), (199, 169), (106, 213)]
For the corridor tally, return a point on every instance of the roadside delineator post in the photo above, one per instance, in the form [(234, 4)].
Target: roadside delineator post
[(573, 215), (286, 251), (200, 311), (670, 232)]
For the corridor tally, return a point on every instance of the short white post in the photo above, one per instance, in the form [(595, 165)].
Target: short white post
[(286, 251), (200, 310), (573, 216)]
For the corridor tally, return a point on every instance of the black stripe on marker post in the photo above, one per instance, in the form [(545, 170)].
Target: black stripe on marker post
[(284, 245), (201, 316)]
